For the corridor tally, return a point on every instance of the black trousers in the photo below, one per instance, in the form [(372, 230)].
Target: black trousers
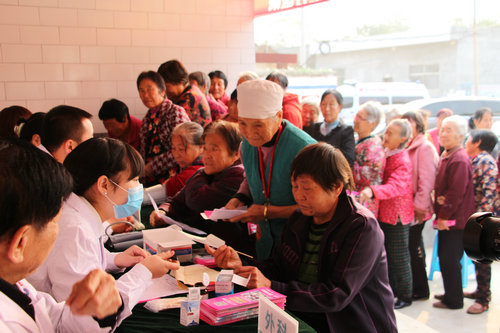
[(417, 255), (450, 251)]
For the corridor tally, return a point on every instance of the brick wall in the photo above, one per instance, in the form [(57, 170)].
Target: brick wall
[(82, 52)]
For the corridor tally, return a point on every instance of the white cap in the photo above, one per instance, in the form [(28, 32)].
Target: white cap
[(259, 99)]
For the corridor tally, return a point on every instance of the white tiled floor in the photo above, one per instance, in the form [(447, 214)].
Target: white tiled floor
[(422, 317)]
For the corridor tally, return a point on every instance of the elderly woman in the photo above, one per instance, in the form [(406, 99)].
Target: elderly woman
[(181, 93), (106, 185), (269, 146), (485, 171), (434, 133), (246, 76), (202, 81), (218, 86), (310, 112), (424, 160), (370, 158), (396, 208), (453, 204), (331, 261), (482, 119), (332, 130), (157, 126), (211, 187), (291, 108)]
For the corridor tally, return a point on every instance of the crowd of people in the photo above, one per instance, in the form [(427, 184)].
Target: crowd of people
[(332, 214)]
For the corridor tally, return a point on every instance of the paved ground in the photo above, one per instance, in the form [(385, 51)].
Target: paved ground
[(422, 317)]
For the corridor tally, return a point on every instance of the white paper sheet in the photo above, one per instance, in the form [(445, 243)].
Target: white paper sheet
[(171, 221), (223, 213), (162, 287)]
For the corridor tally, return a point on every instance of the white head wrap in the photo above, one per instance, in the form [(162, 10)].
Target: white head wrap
[(259, 99)]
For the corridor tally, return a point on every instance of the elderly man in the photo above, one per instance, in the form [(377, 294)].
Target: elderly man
[(119, 123), (269, 146)]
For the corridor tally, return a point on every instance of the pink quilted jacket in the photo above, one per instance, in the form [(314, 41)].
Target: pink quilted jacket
[(395, 194)]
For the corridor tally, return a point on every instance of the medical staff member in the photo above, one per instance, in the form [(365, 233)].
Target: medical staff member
[(33, 187), (269, 146), (106, 185)]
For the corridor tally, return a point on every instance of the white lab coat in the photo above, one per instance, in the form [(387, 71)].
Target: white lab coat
[(78, 250), (50, 316)]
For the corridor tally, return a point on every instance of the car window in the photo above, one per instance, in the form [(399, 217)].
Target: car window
[(381, 99)]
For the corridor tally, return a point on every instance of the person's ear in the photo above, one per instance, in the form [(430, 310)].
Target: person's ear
[(103, 185), (69, 145), (36, 140), (337, 189), (279, 115), (18, 243)]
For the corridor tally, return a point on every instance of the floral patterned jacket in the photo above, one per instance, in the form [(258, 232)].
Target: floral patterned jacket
[(484, 177), (369, 167), (195, 104), (156, 131)]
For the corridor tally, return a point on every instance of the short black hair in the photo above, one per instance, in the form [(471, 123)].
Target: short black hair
[(62, 123), (34, 186), (488, 139), (101, 156), (280, 77), (174, 72), (417, 118), (114, 109), (32, 126), (229, 131), (220, 75), (153, 76), (335, 93), (330, 167)]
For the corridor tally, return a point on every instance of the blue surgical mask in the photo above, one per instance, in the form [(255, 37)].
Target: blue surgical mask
[(135, 198)]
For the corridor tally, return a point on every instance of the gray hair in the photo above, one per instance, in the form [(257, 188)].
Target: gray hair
[(202, 79), (393, 113), (405, 127), (248, 75), (459, 122), (190, 133), (374, 112), (312, 101)]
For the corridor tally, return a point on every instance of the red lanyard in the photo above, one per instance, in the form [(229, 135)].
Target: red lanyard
[(267, 188)]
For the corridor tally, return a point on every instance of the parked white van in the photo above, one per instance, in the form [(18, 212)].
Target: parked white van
[(356, 94)]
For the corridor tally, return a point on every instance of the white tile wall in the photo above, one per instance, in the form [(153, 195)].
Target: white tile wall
[(82, 52)]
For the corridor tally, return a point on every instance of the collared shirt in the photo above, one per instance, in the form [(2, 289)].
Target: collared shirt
[(16, 295), (326, 128)]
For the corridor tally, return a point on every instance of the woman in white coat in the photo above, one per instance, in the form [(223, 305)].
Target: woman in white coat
[(106, 185), (33, 187)]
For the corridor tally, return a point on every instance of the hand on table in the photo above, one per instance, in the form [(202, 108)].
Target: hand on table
[(159, 264), (257, 279), (131, 256), (225, 257), (96, 295)]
